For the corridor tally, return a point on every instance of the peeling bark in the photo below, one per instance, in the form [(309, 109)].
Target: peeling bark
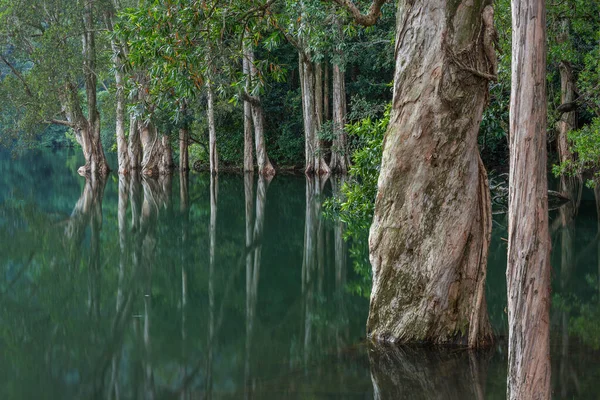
[(432, 224), (528, 270)]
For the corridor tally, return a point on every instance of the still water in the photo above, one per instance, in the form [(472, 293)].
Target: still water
[(190, 287)]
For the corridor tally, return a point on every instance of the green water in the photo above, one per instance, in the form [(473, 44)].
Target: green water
[(165, 289)]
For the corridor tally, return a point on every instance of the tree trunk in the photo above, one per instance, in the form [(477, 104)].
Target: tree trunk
[(166, 163), (319, 95), (134, 149), (567, 120), (431, 229), (122, 154), (314, 158), (339, 148), (248, 156), (97, 162), (528, 270), (212, 133), (265, 167), (151, 148), (184, 157), (326, 93)]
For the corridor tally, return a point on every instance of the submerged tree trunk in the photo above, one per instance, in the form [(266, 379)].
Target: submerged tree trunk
[(431, 229), (528, 270), (134, 148), (339, 148), (212, 132)]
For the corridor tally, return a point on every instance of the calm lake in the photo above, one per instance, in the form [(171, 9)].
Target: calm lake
[(235, 288)]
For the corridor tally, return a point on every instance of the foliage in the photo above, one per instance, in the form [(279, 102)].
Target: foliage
[(355, 206)]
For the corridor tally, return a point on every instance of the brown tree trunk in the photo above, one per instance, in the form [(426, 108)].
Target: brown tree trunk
[(212, 132), (431, 229), (567, 120), (528, 270), (184, 157), (248, 156), (319, 95), (339, 148)]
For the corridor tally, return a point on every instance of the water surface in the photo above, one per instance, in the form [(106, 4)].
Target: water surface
[(231, 288)]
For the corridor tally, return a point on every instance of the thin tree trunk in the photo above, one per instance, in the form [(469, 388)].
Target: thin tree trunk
[(339, 148), (265, 167), (248, 156), (97, 162), (134, 149), (122, 154), (431, 229), (184, 158), (528, 270), (567, 120), (326, 115), (212, 133), (166, 162), (319, 95)]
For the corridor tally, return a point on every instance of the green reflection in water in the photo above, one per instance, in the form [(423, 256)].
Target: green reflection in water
[(192, 287)]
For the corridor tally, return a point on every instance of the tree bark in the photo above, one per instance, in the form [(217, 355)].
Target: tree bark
[(151, 148), (184, 158), (326, 115), (97, 161), (134, 148), (248, 156), (314, 157), (265, 167), (528, 270), (212, 133), (339, 148), (431, 229), (166, 163), (319, 95), (567, 120)]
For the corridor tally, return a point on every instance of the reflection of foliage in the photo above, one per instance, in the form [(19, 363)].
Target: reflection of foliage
[(585, 324), (356, 205)]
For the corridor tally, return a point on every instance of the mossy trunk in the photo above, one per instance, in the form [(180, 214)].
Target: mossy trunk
[(431, 229), (528, 270)]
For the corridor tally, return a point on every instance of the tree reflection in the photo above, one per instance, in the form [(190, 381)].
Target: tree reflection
[(401, 372)]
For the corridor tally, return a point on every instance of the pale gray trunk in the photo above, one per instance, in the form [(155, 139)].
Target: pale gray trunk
[(134, 149), (319, 95), (166, 161), (431, 229), (212, 132), (122, 154), (528, 270), (339, 148), (151, 148), (248, 153), (184, 158), (314, 157), (265, 167)]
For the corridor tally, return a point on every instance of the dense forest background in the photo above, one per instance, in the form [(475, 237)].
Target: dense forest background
[(41, 52)]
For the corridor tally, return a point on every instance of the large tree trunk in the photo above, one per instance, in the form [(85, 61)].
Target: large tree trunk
[(319, 95), (431, 229), (339, 148), (326, 93), (528, 270), (212, 132), (151, 148), (248, 156), (265, 167)]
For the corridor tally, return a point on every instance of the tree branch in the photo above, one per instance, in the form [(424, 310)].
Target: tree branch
[(18, 75), (362, 19), (60, 122)]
